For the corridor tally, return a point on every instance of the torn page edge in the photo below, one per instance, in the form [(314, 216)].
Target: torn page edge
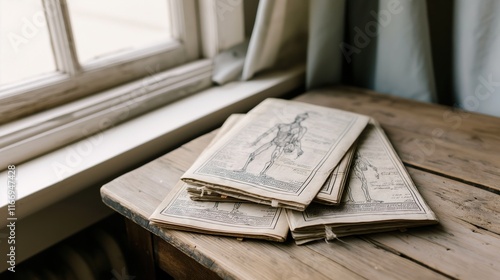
[(330, 235)]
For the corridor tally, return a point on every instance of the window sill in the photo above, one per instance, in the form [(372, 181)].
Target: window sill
[(51, 178)]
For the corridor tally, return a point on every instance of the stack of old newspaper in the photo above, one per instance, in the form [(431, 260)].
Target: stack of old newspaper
[(285, 165)]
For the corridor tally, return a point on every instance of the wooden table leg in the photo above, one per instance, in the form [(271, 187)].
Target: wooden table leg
[(179, 265), (140, 251)]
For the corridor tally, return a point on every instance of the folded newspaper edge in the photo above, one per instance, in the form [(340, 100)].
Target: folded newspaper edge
[(242, 220)]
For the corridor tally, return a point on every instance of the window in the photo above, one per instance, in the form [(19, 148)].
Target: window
[(56, 51), (111, 23), (25, 41), (73, 68)]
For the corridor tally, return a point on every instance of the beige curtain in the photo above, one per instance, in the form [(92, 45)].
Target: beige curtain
[(407, 48), (279, 34), (477, 55)]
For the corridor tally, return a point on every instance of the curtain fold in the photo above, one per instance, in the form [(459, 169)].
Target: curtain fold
[(360, 44), (326, 34), (278, 29), (403, 58), (384, 45), (477, 56)]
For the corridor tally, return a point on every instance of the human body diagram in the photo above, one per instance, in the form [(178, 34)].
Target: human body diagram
[(287, 140), (235, 210), (360, 166)]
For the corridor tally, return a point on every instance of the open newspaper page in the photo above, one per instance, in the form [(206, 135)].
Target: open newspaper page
[(330, 193), (246, 220), (380, 196), (280, 153)]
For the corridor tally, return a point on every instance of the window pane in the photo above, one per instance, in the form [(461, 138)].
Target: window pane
[(25, 48), (101, 28)]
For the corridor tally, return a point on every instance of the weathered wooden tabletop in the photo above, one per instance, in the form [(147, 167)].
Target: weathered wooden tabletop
[(453, 157)]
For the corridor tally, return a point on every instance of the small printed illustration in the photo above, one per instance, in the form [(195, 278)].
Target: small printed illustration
[(287, 140), (360, 166), (235, 210)]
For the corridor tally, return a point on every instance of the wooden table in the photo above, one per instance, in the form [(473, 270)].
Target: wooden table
[(453, 157)]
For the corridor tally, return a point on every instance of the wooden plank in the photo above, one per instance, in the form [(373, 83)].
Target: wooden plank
[(467, 241), (372, 262), (449, 197), (436, 138), (253, 259)]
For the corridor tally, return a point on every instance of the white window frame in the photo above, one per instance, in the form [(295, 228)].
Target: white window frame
[(73, 80), (21, 140)]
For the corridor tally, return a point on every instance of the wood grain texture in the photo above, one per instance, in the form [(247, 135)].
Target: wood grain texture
[(440, 139), (464, 245)]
